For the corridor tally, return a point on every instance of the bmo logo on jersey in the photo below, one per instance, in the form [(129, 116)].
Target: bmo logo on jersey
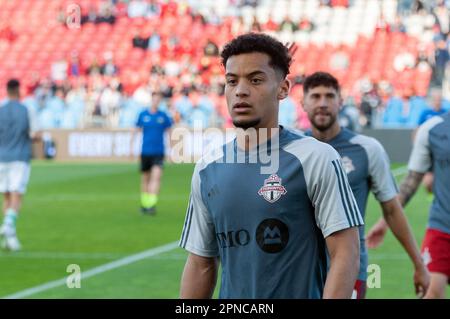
[(272, 235)]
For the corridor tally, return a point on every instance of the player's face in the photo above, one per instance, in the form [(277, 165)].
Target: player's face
[(156, 100), (253, 90), (322, 105)]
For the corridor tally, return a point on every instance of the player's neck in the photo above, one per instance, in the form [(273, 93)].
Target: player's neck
[(252, 137), (329, 134)]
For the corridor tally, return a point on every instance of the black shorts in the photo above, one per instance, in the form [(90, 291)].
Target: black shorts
[(148, 161)]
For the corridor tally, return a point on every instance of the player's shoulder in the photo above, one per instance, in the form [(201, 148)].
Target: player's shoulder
[(306, 147), (369, 143), (143, 112), (210, 156), (16, 106)]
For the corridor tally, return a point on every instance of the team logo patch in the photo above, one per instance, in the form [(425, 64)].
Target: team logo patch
[(272, 235), (160, 120), (272, 189), (348, 164)]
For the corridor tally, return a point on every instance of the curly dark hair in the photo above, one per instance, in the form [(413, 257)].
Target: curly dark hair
[(258, 42), (320, 79)]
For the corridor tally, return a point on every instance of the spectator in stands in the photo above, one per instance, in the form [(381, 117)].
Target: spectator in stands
[(437, 105), (441, 58), (200, 112), (139, 41), (142, 95), (255, 26), (183, 104), (154, 41), (270, 25), (154, 9), (107, 13), (424, 61), (211, 48), (442, 14), (348, 116), (109, 102), (305, 24), (94, 67), (404, 60), (59, 70), (339, 60), (108, 68), (251, 3), (404, 7), (370, 103), (397, 25), (91, 16), (287, 25), (61, 15), (404, 111), (238, 26), (74, 65), (138, 9), (56, 105), (382, 25)]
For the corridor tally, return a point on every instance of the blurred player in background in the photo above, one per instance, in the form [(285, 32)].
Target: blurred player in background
[(431, 151), (270, 230), (367, 166), (17, 129), (152, 123)]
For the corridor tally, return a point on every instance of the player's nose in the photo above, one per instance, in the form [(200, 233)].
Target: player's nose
[(242, 89)]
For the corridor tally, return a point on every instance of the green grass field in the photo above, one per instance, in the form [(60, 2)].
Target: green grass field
[(88, 214)]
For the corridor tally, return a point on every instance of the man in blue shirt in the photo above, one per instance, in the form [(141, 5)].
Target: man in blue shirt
[(431, 151), (153, 124), (17, 128), (367, 166), (438, 106), (270, 227)]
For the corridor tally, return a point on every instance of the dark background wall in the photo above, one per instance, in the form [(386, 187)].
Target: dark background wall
[(397, 142)]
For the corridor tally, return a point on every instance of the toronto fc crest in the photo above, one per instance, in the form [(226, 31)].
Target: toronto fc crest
[(347, 163), (272, 189)]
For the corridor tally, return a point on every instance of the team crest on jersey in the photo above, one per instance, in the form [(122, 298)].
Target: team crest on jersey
[(160, 120), (272, 189), (348, 164)]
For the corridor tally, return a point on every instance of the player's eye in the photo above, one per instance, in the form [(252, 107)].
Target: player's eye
[(256, 81), (231, 81)]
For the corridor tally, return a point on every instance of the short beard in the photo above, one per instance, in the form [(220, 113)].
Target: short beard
[(246, 124), (324, 127)]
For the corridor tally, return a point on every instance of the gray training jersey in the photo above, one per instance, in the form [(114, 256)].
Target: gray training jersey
[(269, 230), (15, 126), (432, 151), (368, 169)]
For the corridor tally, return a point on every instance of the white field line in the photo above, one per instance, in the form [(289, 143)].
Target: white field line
[(95, 271), (79, 256)]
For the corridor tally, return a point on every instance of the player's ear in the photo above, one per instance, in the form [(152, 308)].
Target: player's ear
[(283, 89)]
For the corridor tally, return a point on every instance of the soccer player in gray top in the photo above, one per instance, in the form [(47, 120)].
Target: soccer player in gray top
[(16, 129), (367, 167), (286, 232), (431, 151)]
